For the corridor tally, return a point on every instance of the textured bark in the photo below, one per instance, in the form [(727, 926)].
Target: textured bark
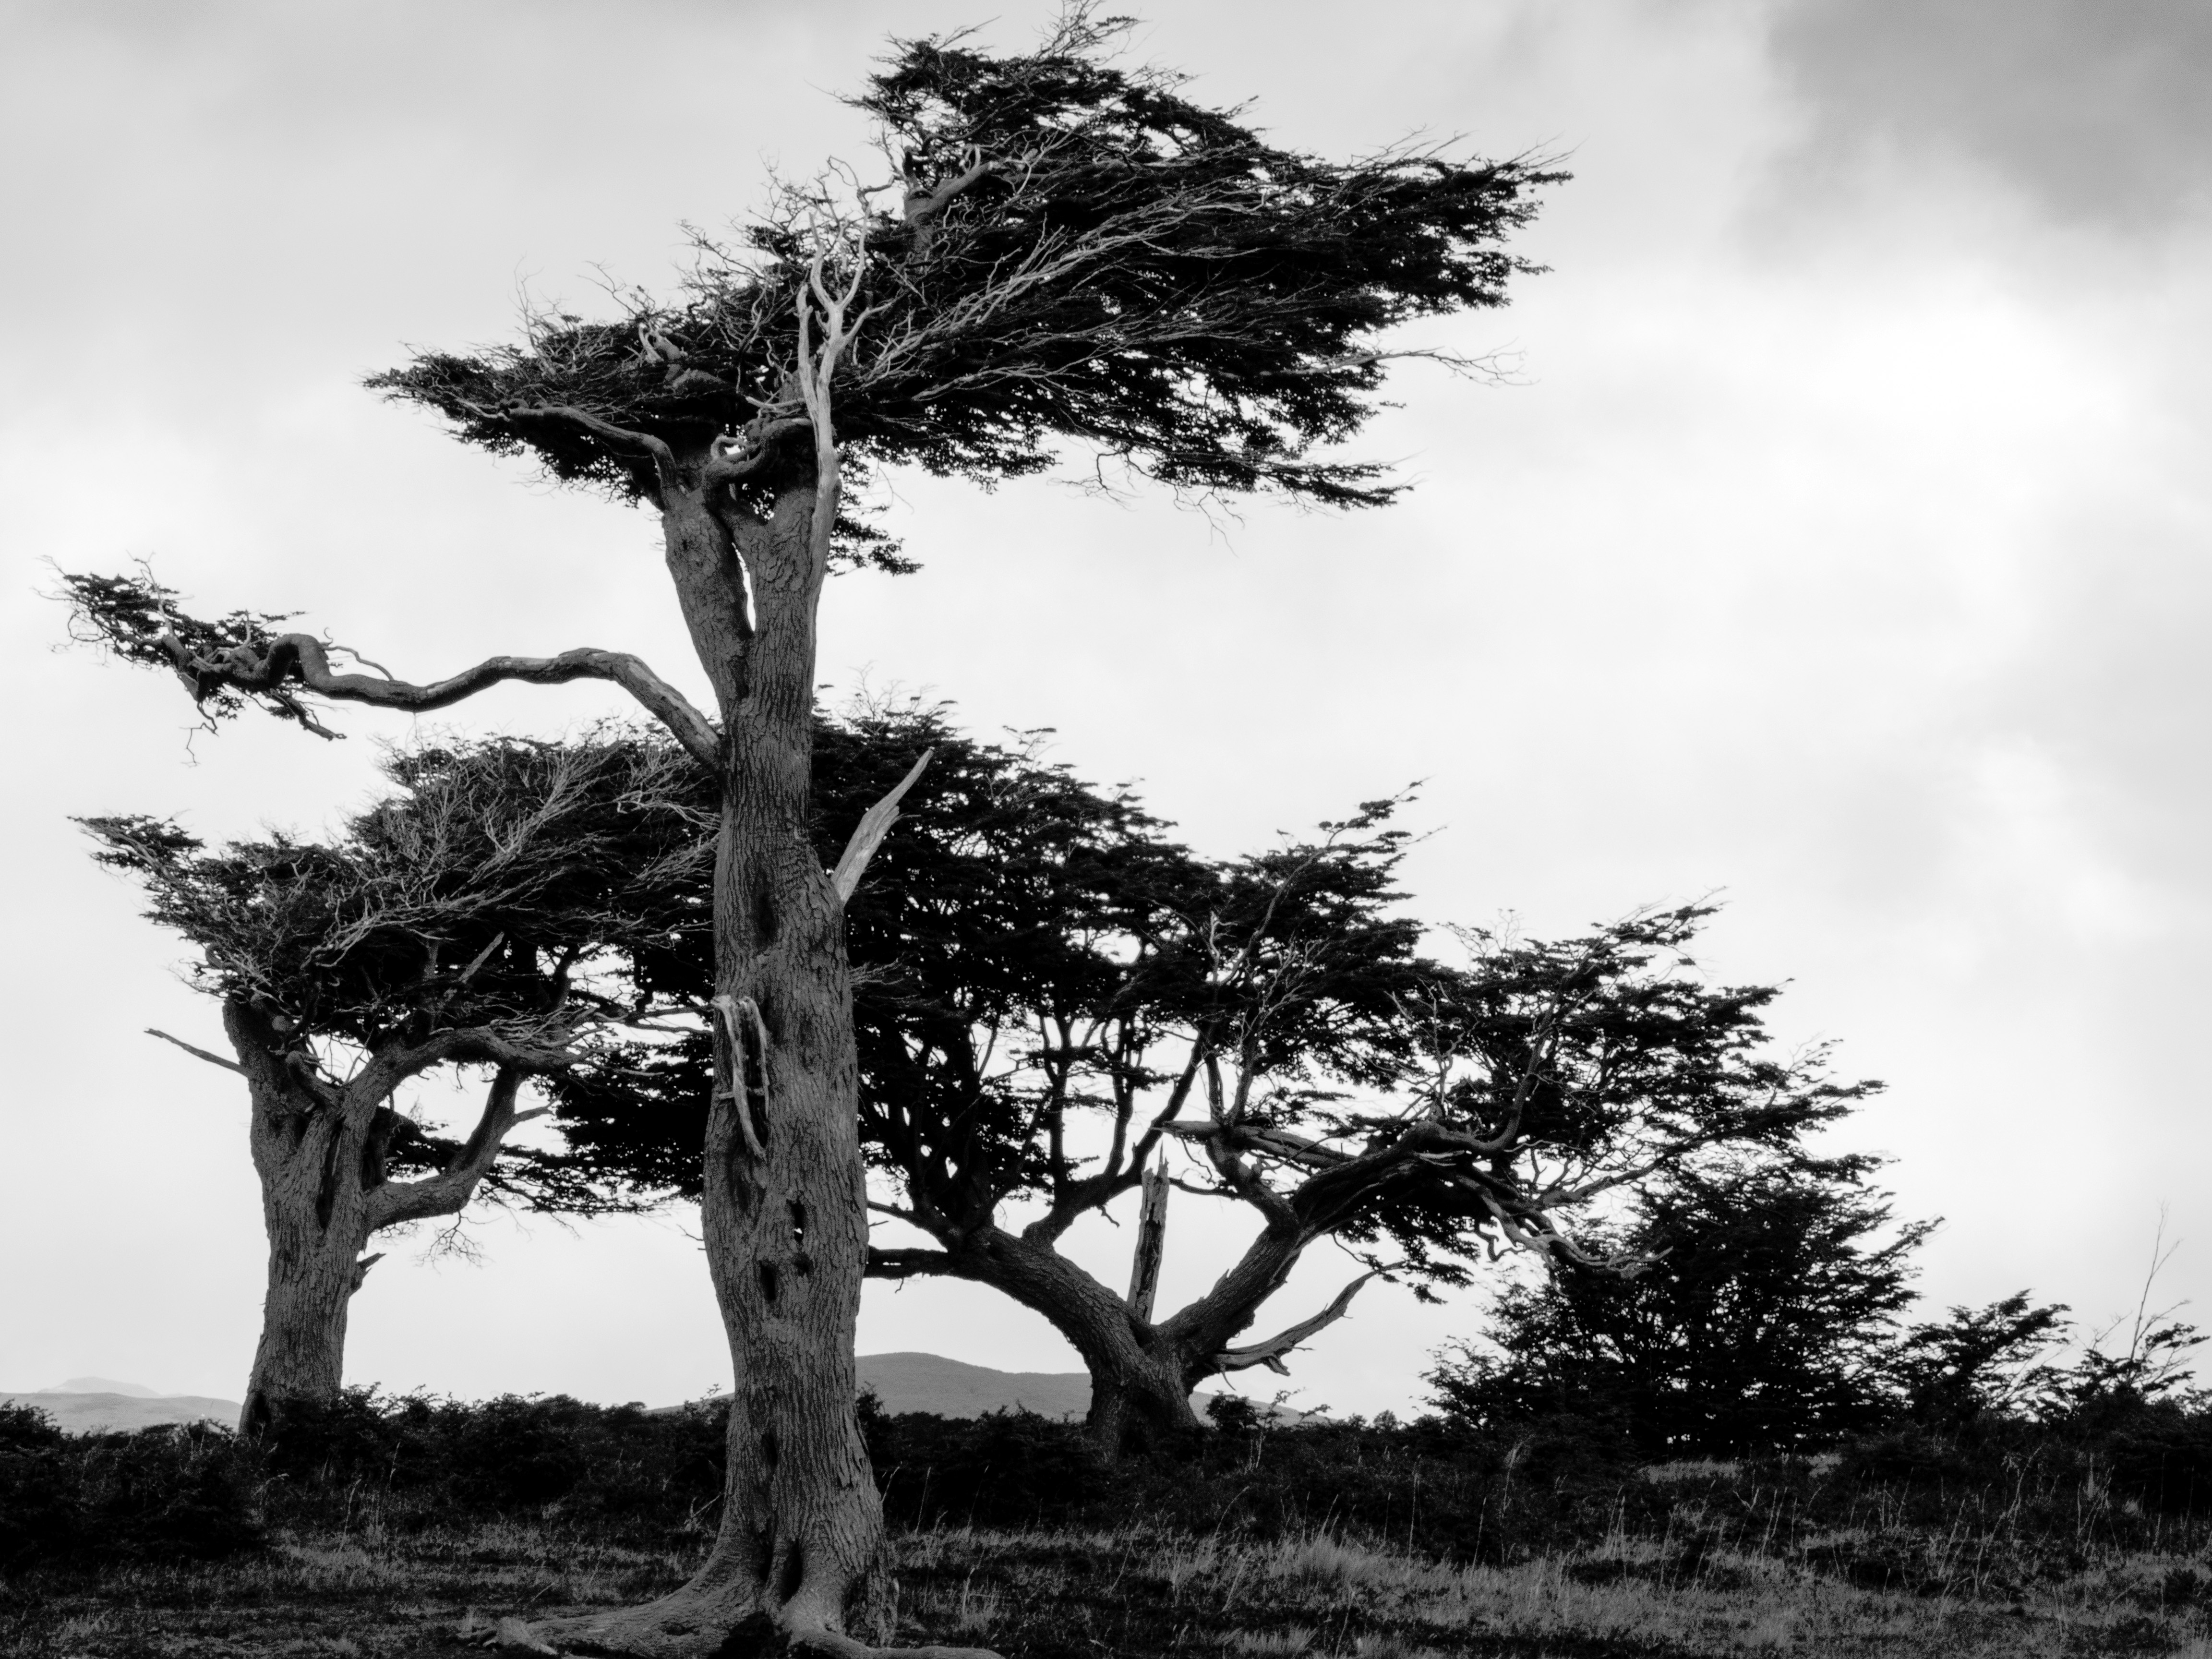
[(310, 1159), (319, 1152), (784, 1212), (1152, 1243)]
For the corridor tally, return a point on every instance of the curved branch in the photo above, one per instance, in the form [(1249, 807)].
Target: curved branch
[(304, 661), (733, 459), (621, 437), (449, 1191), (1270, 1353), (526, 1053)]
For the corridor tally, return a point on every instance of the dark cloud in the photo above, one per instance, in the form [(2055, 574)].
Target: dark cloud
[(2099, 110)]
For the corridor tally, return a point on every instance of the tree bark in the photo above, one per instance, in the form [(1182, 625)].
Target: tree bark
[(310, 1158), (784, 1210), (319, 1150)]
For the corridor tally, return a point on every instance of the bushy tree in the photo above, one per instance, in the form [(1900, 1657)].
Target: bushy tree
[(1980, 1364), (1070, 257), (1765, 1321), (479, 921)]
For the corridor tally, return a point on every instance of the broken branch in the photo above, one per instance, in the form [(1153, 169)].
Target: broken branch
[(868, 835), (199, 1054)]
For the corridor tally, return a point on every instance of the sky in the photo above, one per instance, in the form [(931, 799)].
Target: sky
[(1837, 548)]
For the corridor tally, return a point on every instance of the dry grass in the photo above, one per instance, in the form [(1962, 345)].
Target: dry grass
[(1055, 1594)]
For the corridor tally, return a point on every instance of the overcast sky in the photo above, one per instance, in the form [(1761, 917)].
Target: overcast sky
[(1841, 549)]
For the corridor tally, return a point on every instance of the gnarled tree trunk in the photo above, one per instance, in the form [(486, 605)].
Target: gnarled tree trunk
[(310, 1159), (784, 1214), (320, 1150), (1142, 1371)]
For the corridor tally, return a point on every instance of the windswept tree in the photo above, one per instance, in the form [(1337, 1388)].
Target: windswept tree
[(478, 922), (1068, 259)]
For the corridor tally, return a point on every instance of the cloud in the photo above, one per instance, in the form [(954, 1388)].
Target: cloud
[(2096, 110)]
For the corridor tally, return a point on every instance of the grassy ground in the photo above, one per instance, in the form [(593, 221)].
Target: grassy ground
[(1067, 1594)]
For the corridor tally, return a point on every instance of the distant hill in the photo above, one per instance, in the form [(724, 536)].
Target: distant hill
[(903, 1382), (80, 1411), (105, 1385), (949, 1388)]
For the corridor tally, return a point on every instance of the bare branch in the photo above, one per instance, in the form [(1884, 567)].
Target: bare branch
[(270, 667), (199, 1054), (1270, 1353), (449, 1191)]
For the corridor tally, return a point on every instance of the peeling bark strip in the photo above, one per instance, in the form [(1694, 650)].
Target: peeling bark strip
[(741, 1068)]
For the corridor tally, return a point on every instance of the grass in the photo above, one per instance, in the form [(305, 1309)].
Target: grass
[(412, 1519), (366, 1592)]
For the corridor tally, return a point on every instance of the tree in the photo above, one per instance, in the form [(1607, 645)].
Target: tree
[(1069, 255), (1979, 1363), (1029, 953), (478, 921), (1766, 1320), (1056, 1004)]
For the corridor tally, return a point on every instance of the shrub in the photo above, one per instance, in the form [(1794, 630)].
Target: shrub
[(176, 1492)]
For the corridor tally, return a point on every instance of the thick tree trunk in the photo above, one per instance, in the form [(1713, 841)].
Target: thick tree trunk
[(785, 1216), (314, 1207), (313, 1271)]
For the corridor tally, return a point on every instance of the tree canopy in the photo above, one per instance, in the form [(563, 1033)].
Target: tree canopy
[(1052, 996), (1061, 248), (484, 914)]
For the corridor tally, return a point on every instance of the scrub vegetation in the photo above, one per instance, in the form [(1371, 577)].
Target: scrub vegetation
[(394, 1526)]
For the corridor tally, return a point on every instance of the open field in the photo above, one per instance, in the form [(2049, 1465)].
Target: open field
[(1065, 1594)]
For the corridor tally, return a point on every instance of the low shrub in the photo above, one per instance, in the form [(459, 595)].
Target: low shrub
[(179, 1492)]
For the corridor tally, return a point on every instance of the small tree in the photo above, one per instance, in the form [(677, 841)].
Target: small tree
[(1766, 1320), (465, 925), (1979, 1363), (1066, 256)]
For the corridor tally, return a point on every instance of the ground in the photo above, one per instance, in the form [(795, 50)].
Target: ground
[(353, 1588)]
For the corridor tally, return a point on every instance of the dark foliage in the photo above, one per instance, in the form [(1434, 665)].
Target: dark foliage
[(1879, 1516), (507, 886), (1766, 1321), (178, 1494), (1978, 1362), (1070, 251)]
